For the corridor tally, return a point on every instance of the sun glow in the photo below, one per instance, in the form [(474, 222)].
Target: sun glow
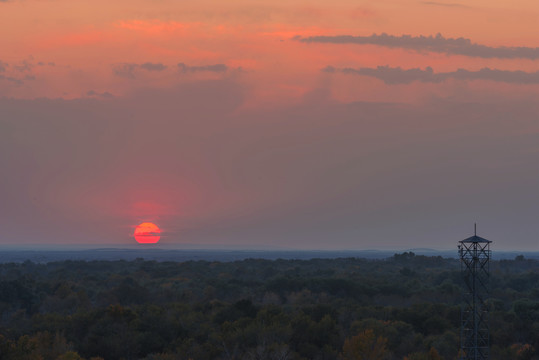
[(147, 233)]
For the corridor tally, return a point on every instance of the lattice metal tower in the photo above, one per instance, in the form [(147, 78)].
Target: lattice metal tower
[(475, 255)]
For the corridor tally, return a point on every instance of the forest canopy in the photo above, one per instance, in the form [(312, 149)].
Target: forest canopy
[(403, 307)]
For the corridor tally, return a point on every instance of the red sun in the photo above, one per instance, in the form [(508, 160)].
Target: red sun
[(147, 233)]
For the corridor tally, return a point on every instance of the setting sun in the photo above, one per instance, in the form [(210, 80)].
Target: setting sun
[(147, 233)]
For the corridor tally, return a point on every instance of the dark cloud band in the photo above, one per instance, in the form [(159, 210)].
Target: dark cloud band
[(437, 44), (153, 66), (128, 70), (397, 75), (211, 68)]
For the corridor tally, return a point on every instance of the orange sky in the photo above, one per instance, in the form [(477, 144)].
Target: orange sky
[(86, 40)]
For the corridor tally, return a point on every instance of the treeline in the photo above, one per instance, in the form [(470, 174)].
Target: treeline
[(404, 307)]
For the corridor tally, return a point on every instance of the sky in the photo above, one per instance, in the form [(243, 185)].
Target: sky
[(389, 124)]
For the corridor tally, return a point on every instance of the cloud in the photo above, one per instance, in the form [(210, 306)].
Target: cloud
[(212, 68), (392, 75), (153, 67), (128, 70), (24, 66), (105, 95), (397, 75), (437, 44), (20, 73), (11, 79), (125, 70)]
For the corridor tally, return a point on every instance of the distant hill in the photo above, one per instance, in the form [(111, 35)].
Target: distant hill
[(45, 256)]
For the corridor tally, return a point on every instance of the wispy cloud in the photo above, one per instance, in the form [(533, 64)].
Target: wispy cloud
[(41, 63), (20, 72), (212, 68), (24, 66), (397, 75), (105, 95), (11, 79), (127, 70), (437, 44), (153, 66)]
